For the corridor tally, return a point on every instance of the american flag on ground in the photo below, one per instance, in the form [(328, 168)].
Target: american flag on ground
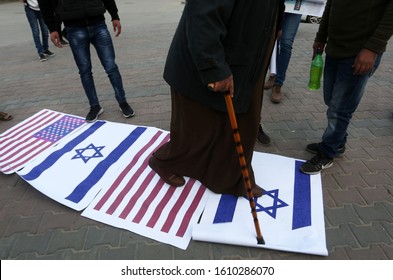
[(28, 139), (151, 208), (104, 167)]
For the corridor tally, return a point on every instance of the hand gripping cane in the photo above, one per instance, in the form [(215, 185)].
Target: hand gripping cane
[(243, 164)]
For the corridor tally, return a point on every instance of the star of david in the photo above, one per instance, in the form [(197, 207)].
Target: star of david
[(88, 153), (270, 210)]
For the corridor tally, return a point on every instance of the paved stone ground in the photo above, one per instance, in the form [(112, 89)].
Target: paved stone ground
[(358, 200)]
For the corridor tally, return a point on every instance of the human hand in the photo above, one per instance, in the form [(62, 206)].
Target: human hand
[(364, 62), (55, 38), (223, 86), (318, 47), (116, 27)]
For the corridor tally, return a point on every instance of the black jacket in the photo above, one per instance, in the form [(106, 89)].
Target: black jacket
[(217, 38), (351, 25), (76, 12)]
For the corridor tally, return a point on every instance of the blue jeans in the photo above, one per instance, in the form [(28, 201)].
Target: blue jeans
[(36, 23), (342, 92), (290, 26), (98, 35)]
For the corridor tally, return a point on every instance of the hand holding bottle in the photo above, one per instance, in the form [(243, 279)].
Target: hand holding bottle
[(316, 68), (318, 46)]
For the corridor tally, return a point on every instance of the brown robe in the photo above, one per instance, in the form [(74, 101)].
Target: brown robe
[(203, 51), (201, 142)]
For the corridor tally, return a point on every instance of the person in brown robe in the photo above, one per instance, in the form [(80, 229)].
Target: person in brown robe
[(226, 44)]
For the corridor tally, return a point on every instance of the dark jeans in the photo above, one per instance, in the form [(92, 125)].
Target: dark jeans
[(97, 35), (36, 23), (342, 92)]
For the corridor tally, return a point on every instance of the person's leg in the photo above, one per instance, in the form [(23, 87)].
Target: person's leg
[(342, 94), (44, 32), (289, 29), (64, 33), (103, 44), (79, 40), (272, 68), (33, 21), (262, 137)]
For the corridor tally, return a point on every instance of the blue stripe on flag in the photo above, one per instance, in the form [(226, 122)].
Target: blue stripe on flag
[(301, 199), (52, 158), (225, 209), (81, 190)]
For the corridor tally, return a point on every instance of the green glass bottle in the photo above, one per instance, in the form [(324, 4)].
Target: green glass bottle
[(316, 72)]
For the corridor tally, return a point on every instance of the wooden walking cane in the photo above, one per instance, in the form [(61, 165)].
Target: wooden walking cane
[(243, 164)]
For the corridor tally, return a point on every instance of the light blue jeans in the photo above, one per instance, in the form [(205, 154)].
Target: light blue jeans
[(36, 23), (290, 25), (97, 35), (342, 92)]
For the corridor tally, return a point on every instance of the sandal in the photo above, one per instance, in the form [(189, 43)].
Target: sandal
[(5, 116)]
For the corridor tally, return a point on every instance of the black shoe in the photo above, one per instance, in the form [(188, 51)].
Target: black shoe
[(126, 110), (41, 57), (64, 34), (316, 164), (64, 43), (262, 137), (314, 149), (93, 114), (48, 53)]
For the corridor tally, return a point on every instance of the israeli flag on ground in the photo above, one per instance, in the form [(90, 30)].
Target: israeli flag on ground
[(103, 168), (79, 166), (290, 214)]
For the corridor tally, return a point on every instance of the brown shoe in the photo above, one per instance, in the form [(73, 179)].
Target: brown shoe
[(167, 177), (269, 82), (257, 191), (276, 94)]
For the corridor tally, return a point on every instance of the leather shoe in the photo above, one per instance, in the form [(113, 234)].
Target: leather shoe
[(167, 177), (276, 96), (257, 191), (270, 82)]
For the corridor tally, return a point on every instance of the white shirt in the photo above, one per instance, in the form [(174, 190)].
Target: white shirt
[(33, 4)]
